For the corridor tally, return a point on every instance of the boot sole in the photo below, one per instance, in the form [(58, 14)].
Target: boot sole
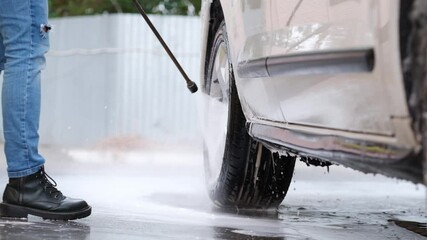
[(15, 211)]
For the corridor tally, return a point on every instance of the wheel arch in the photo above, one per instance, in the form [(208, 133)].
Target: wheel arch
[(212, 15)]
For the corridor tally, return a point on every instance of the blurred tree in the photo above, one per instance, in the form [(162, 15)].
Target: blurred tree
[(59, 8)]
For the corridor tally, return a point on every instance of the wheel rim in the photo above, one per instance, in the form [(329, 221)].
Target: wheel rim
[(216, 115)]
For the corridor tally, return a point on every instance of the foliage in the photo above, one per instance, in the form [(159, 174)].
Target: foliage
[(59, 8)]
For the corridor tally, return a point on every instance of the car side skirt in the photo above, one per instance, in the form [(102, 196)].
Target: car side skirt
[(328, 146), (365, 152)]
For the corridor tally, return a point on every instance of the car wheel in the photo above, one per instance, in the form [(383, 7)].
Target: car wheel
[(240, 172), (415, 73)]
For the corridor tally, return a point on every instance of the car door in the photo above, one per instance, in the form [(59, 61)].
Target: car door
[(314, 63)]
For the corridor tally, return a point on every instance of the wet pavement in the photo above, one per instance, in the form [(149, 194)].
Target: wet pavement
[(158, 194)]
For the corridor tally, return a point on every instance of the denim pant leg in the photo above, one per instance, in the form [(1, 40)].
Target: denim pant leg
[(2, 57), (24, 47)]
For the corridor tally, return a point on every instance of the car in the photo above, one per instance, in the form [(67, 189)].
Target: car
[(324, 82)]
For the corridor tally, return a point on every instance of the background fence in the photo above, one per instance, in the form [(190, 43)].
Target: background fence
[(107, 78)]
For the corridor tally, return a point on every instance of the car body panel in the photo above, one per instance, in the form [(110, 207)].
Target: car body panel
[(364, 108), (330, 101)]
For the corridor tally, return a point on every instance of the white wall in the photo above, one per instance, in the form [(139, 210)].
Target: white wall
[(108, 77)]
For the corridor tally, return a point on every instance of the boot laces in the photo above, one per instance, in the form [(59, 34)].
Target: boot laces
[(50, 185)]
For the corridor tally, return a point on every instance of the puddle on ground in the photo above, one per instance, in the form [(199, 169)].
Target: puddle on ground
[(416, 227)]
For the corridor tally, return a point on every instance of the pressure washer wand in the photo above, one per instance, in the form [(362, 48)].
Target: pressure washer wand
[(190, 84)]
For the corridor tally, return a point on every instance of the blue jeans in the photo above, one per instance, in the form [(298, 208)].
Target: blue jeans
[(23, 44)]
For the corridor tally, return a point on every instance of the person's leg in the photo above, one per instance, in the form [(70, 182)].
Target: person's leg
[(2, 57), (25, 47), (30, 190)]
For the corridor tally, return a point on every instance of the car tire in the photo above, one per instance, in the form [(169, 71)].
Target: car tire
[(240, 172), (415, 72)]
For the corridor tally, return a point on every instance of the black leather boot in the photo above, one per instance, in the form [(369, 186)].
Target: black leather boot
[(37, 195)]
